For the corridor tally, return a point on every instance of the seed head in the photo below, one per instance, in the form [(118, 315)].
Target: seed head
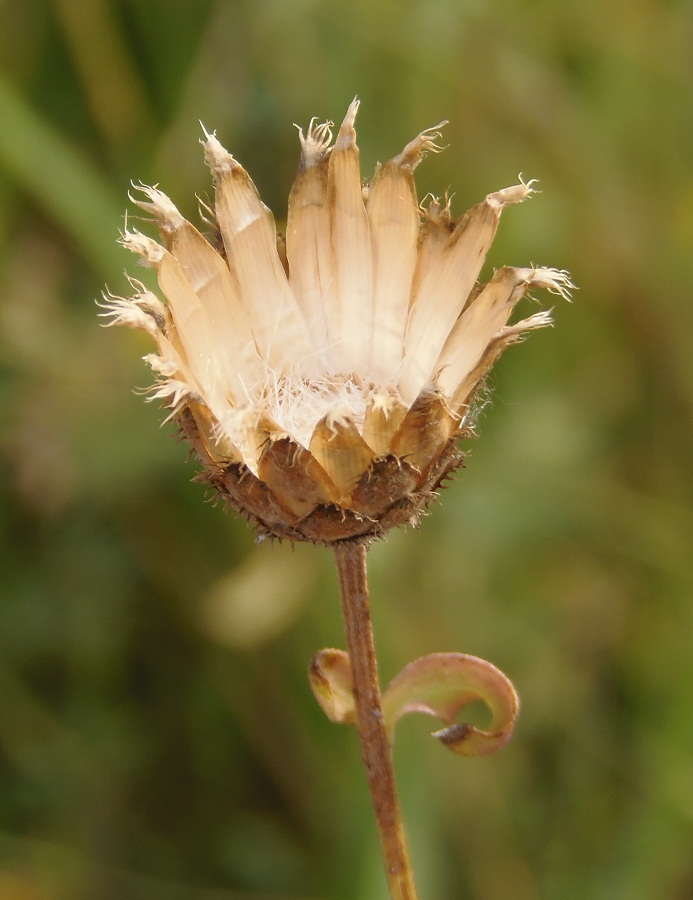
[(325, 381)]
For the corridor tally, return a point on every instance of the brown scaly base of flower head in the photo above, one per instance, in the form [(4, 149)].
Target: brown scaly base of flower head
[(389, 493)]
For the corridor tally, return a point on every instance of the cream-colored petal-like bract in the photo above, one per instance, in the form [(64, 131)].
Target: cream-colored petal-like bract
[(210, 278), (442, 292), (393, 213), (249, 235), (350, 320), (308, 238), (509, 334), (197, 345), (482, 319)]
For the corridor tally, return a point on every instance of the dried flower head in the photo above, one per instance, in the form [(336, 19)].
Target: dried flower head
[(325, 381)]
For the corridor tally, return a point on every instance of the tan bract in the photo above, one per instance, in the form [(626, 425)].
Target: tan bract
[(325, 382)]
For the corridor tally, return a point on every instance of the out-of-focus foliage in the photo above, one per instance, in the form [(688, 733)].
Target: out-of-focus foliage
[(158, 737)]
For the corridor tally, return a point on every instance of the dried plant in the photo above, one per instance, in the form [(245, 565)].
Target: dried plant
[(325, 382)]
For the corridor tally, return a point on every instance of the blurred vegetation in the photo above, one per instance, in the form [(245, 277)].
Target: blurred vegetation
[(158, 738)]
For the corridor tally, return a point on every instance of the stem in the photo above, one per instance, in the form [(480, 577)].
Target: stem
[(375, 744)]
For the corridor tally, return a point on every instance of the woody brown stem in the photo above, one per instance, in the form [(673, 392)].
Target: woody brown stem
[(375, 745)]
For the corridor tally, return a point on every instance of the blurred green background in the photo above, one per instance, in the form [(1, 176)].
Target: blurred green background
[(158, 738)]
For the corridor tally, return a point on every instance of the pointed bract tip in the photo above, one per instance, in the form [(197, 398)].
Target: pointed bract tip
[(436, 212), (384, 402), (338, 419), (347, 133), (541, 319), (515, 194), (423, 143), (161, 207), (174, 394), (556, 281), (315, 143), (167, 368), (127, 311), (217, 156), (147, 249), (515, 333)]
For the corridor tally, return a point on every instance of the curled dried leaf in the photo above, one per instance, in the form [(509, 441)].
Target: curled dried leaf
[(441, 685), (330, 679)]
